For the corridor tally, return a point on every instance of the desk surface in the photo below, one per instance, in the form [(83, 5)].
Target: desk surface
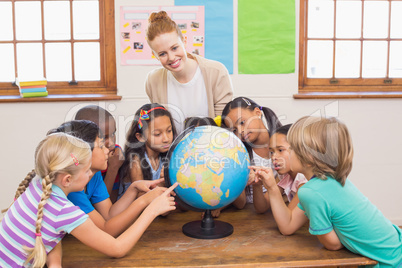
[(255, 242)]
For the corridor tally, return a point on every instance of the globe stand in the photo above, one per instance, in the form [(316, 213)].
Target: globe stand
[(207, 228)]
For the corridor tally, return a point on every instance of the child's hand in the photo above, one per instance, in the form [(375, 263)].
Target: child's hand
[(265, 175), (162, 176), (116, 159), (251, 178), (146, 185), (164, 202)]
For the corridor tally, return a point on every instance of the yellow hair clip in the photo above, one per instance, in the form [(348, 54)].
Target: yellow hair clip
[(218, 120)]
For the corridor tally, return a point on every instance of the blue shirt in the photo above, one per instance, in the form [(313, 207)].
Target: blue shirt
[(360, 226), (95, 192)]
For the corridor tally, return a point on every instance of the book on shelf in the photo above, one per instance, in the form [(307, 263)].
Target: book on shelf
[(33, 89), (31, 82), (34, 94)]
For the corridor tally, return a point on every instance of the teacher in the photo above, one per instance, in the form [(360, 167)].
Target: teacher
[(187, 84)]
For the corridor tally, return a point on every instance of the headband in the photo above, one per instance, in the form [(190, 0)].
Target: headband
[(144, 115)]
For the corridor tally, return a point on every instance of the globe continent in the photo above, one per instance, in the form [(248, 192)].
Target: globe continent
[(211, 166)]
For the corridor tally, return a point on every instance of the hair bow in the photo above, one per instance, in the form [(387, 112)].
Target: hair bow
[(143, 116)]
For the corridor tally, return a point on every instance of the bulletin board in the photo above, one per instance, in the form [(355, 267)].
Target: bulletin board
[(134, 49)]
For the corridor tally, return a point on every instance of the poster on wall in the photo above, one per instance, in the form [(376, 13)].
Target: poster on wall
[(220, 39), (134, 49), (266, 36)]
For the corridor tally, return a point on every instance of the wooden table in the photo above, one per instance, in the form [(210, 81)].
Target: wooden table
[(255, 242)]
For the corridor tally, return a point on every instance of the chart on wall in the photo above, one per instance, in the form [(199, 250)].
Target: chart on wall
[(134, 22)]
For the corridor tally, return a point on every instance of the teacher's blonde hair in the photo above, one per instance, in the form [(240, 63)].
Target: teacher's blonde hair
[(324, 144)]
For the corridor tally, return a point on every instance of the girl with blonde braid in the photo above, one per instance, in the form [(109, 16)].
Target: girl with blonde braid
[(41, 214)]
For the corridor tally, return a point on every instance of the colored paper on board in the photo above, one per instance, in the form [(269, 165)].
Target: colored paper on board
[(218, 29), (134, 49), (266, 36)]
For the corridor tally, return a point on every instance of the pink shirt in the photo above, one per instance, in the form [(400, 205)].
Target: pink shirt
[(290, 186)]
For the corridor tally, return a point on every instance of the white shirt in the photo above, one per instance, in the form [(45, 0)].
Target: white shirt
[(187, 99)]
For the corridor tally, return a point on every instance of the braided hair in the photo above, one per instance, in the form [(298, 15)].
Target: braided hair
[(58, 153)]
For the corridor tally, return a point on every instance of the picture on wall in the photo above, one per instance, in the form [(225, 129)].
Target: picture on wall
[(134, 49)]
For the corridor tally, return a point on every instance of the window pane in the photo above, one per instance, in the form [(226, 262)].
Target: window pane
[(29, 60), (348, 19), (375, 19), (6, 21), (395, 62), (58, 62), (374, 59), (319, 59), (28, 20), (57, 20), (87, 61), (320, 19), (396, 19), (347, 59), (86, 19), (7, 72)]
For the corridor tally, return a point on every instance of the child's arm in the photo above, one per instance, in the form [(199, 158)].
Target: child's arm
[(90, 235), (54, 257), (119, 223), (330, 241), (289, 221), (115, 160), (241, 201), (260, 199), (292, 204), (295, 199), (130, 195)]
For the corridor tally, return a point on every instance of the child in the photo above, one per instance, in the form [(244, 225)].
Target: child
[(289, 181), (253, 124), (191, 85), (148, 140), (199, 121), (41, 214), (340, 215), (94, 199), (107, 125)]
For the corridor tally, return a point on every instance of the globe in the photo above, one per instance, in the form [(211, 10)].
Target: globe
[(211, 166)]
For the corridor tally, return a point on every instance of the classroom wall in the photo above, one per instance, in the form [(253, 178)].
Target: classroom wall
[(373, 123)]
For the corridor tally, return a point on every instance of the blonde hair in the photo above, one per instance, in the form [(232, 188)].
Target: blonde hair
[(160, 23), (323, 143), (56, 154)]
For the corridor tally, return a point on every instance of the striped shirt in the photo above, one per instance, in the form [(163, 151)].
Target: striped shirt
[(17, 229)]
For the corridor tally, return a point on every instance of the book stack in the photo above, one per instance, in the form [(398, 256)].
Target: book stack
[(32, 88)]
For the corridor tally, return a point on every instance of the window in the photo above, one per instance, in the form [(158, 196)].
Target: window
[(350, 46), (69, 42)]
